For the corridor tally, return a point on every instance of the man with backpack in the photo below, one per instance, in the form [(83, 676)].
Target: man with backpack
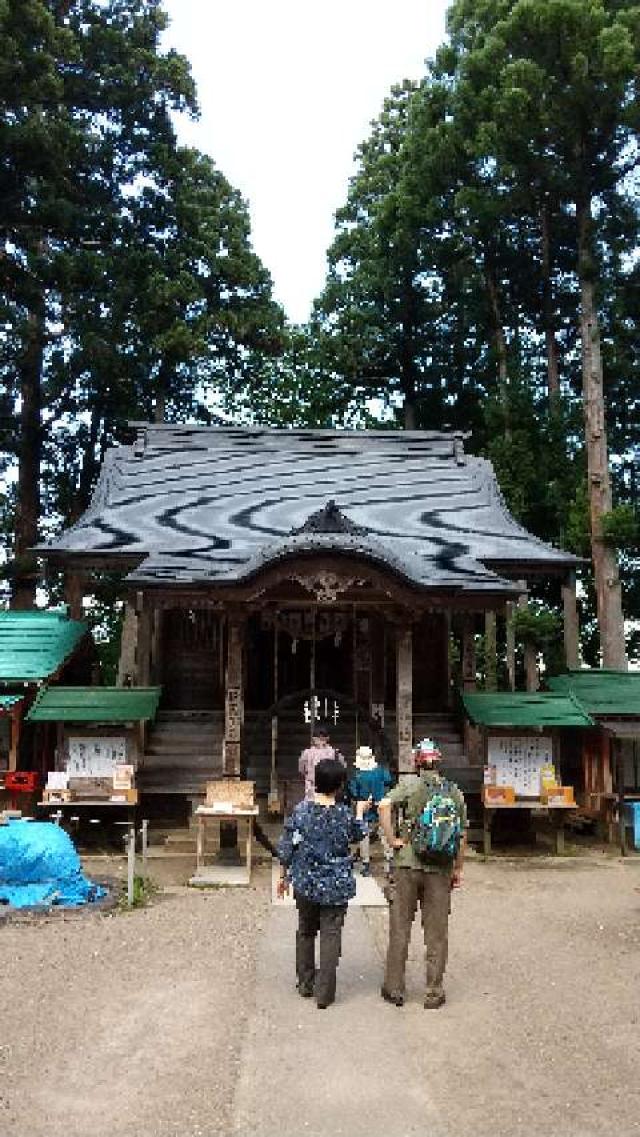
[(431, 818)]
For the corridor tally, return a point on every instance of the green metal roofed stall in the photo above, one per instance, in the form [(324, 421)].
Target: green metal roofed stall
[(527, 709), (514, 725), (95, 704), (602, 693), (35, 645), (613, 698)]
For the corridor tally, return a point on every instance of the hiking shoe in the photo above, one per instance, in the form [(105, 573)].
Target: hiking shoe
[(322, 1004), (305, 990), (434, 999), (390, 997)]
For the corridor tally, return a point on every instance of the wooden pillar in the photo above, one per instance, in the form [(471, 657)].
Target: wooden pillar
[(143, 643), (448, 698), (73, 592), (15, 722), (468, 653), (378, 666), (530, 654), (571, 626), (511, 646), (128, 640), (490, 652), (404, 698), (233, 702)]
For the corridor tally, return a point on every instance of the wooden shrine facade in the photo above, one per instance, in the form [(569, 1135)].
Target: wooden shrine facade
[(266, 568)]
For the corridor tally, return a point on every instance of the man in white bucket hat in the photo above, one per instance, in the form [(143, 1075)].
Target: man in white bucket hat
[(370, 784)]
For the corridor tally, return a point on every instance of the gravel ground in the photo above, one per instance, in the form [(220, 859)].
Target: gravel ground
[(541, 1031), (129, 1023), (133, 1023)]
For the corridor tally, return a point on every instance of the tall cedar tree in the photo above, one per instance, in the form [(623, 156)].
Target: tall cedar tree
[(557, 81)]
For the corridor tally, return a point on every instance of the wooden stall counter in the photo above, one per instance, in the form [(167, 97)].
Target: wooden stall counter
[(232, 802), (556, 811)]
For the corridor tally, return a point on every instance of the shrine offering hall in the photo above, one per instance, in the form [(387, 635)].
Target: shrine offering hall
[(276, 577)]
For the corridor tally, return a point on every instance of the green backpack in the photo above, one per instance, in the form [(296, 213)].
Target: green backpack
[(435, 827)]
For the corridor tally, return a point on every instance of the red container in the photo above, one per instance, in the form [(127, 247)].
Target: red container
[(21, 781)]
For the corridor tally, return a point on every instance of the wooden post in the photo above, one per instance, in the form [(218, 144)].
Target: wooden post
[(530, 654), (404, 698), (143, 645), (233, 713), (15, 722), (73, 590), (128, 639), (378, 666), (468, 653), (571, 626), (511, 646), (447, 660), (490, 652)]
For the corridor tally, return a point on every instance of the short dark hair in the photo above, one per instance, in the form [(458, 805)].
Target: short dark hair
[(320, 730), (329, 776)]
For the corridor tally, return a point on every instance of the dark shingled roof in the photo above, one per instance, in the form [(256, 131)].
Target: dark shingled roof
[(218, 504)]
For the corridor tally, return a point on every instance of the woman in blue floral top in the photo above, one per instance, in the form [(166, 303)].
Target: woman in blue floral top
[(316, 860)]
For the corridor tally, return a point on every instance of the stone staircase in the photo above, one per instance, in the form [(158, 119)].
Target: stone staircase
[(183, 752), (293, 737), (443, 728)]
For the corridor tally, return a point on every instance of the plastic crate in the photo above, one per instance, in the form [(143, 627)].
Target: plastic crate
[(632, 818)]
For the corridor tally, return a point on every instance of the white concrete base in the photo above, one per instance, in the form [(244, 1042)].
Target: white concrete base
[(221, 876)]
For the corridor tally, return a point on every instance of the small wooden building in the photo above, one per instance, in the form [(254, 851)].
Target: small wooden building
[(278, 576), (109, 719), (610, 757), (527, 736), (37, 649)]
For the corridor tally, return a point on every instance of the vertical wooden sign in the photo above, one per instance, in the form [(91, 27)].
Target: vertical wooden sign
[(233, 702), (404, 699)]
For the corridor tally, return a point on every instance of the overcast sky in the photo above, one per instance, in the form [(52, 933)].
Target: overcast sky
[(287, 90)]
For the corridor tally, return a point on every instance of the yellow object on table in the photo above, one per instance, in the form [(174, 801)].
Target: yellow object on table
[(498, 795), (558, 795)]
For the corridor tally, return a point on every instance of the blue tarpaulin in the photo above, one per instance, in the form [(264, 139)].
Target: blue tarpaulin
[(39, 866)]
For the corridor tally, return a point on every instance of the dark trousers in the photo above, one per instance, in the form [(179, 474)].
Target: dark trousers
[(327, 919), (433, 892)]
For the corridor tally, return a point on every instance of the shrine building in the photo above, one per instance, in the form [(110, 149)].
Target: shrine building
[(274, 576)]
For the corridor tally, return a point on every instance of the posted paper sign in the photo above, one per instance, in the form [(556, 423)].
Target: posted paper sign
[(518, 761)]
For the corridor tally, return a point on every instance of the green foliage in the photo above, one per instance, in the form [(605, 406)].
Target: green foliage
[(144, 890), (537, 626), (621, 527)]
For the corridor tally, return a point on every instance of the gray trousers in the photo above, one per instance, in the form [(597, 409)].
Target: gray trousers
[(433, 892), (326, 919)]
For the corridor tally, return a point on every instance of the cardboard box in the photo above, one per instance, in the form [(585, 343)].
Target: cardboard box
[(498, 795), (232, 791), (123, 773), (127, 797), (559, 795), (54, 795), (90, 788)]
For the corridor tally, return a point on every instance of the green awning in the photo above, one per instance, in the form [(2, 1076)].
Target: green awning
[(525, 709), (602, 693), (8, 702), (34, 645), (95, 704)]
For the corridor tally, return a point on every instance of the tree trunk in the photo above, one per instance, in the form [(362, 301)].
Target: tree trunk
[(548, 312), (499, 340), (29, 461), (161, 389), (607, 581), (89, 470)]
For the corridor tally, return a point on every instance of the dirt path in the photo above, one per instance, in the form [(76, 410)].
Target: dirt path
[(130, 1024), (151, 1023), (540, 1033)]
